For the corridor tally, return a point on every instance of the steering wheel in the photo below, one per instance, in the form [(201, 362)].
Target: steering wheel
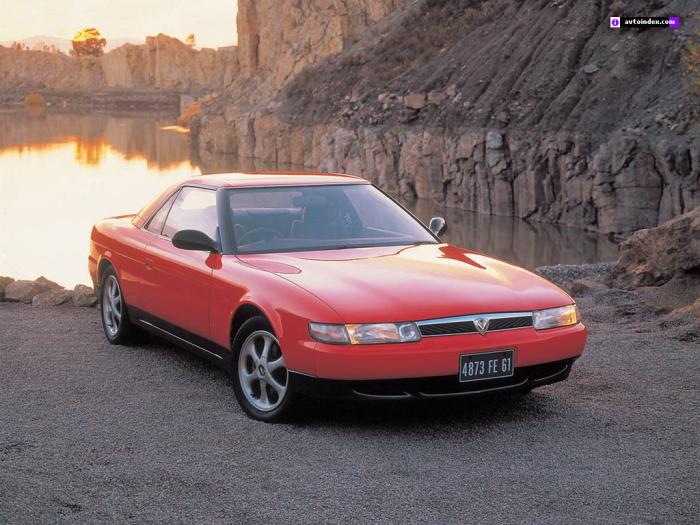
[(266, 234)]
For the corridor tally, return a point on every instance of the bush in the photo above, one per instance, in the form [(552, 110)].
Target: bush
[(35, 100), (184, 119)]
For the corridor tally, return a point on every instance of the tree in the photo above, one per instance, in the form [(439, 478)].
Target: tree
[(190, 40), (88, 42)]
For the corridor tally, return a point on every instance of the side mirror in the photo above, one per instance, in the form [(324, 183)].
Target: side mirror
[(195, 240), (438, 226)]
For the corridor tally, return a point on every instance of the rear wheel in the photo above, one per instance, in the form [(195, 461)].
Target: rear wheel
[(115, 318), (261, 381)]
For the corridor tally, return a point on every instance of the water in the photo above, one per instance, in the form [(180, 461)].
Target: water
[(61, 172)]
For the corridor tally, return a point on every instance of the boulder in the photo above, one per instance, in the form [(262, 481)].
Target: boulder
[(436, 97), (691, 309), (84, 296), (584, 286), (4, 281), (414, 100), (24, 291), (652, 257), (52, 297), (494, 140), (48, 282)]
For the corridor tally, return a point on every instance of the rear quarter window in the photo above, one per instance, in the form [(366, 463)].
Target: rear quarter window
[(155, 225)]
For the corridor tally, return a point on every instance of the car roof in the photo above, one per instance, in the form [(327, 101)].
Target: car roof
[(273, 178)]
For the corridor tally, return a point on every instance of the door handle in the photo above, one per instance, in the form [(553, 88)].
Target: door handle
[(149, 264)]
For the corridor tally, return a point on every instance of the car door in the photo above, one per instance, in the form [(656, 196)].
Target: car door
[(177, 282)]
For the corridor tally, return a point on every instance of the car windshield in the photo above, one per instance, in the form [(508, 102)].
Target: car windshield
[(279, 219)]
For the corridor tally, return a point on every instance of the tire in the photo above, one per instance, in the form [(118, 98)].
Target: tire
[(114, 313), (261, 381)]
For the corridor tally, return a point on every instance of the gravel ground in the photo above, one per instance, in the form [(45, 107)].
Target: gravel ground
[(564, 273), (150, 434)]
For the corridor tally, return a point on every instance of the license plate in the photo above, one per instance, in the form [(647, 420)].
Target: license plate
[(489, 365)]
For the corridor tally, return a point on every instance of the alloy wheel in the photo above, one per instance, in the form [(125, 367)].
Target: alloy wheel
[(262, 371), (111, 305)]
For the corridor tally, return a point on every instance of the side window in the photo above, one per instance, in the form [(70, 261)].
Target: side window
[(155, 225), (194, 209)]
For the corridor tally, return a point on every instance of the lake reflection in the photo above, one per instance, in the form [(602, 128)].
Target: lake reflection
[(61, 172)]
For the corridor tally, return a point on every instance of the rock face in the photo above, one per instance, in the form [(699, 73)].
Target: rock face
[(279, 38), (125, 67), (172, 65), (652, 257), (476, 116), (25, 70), (162, 62), (621, 186)]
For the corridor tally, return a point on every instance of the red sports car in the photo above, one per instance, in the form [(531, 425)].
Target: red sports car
[(321, 284)]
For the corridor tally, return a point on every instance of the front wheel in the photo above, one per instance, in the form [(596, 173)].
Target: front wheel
[(261, 381)]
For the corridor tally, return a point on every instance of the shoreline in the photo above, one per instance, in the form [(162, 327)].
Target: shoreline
[(127, 100)]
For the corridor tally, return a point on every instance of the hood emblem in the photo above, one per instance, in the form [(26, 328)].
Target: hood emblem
[(482, 325)]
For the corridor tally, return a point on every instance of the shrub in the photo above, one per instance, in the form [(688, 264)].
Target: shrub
[(184, 119), (34, 99)]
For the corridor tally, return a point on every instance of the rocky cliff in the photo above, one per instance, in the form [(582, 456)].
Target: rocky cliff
[(162, 63), (533, 109)]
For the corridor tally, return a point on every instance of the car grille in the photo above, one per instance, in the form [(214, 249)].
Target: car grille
[(465, 325)]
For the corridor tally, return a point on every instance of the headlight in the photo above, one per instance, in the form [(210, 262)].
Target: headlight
[(555, 317), (364, 334)]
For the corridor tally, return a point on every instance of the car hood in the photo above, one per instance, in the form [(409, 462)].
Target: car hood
[(411, 283)]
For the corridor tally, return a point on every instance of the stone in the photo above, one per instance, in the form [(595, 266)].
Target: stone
[(24, 291), (583, 286), (653, 256), (662, 119), (502, 117), (84, 296), (51, 284), (53, 297), (414, 101), (494, 140), (436, 97), (589, 69), (691, 309), (383, 97), (4, 281)]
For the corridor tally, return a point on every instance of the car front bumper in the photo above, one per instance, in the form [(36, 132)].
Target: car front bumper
[(524, 379), (439, 356)]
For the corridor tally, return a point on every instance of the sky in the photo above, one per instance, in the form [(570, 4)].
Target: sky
[(212, 21)]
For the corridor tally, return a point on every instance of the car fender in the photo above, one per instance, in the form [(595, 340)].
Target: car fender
[(288, 307)]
